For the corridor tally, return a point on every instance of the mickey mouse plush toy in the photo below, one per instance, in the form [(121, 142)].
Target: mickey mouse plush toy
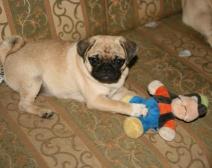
[(163, 108)]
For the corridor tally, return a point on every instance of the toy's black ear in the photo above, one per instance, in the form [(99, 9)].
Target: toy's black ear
[(131, 49), (83, 47), (202, 109)]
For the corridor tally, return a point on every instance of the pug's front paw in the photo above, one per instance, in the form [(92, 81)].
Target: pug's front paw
[(138, 110)]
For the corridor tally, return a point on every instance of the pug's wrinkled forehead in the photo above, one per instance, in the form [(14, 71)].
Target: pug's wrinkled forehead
[(107, 47)]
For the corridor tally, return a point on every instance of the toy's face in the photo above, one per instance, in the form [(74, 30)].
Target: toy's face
[(185, 108)]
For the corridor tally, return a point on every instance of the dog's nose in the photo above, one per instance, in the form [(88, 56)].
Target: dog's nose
[(107, 68)]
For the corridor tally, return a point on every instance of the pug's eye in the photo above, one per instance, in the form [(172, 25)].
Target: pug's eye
[(117, 61), (94, 60)]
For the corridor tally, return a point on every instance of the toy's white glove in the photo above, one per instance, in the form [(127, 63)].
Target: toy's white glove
[(138, 110)]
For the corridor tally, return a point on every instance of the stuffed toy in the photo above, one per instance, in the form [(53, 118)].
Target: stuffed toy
[(163, 108)]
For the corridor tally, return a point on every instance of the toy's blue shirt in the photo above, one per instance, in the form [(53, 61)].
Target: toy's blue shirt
[(151, 120)]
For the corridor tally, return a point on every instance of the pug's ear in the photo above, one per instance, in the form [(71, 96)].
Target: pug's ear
[(83, 47), (130, 48)]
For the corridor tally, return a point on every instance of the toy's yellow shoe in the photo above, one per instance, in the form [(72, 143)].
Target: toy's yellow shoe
[(133, 127)]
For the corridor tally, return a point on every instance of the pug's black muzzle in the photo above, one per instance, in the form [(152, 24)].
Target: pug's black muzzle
[(106, 73)]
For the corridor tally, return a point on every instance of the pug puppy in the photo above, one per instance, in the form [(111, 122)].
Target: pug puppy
[(198, 15), (92, 70)]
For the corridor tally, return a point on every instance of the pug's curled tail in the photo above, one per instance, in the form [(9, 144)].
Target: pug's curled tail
[(10, 45)]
